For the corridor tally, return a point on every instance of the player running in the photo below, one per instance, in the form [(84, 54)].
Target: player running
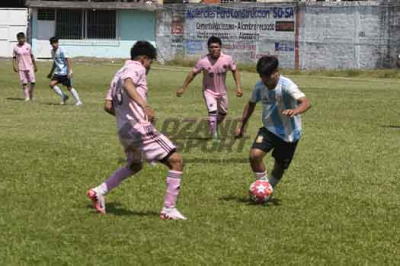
[(282, 103), (214, 66), (25, 65), (127, 101), (63, 73)]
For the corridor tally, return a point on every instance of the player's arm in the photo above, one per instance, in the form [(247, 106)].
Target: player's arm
[(236, 77), (130, 89), (34, 62), (51, 70), (189, 78), (303, 106), (109, 108), (15, 68), (247, 113), (69, 66)]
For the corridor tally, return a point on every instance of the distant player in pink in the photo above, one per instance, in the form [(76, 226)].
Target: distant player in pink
[(25, 65), (214, 66), (127, 101)]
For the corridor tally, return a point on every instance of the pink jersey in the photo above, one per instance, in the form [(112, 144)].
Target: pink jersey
[(214, 73), (23, 55), (127, 110)]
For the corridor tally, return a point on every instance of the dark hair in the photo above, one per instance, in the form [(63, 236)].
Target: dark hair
[(214, 39), (20, 35), (143, 48), (267, 65), (53, 40)]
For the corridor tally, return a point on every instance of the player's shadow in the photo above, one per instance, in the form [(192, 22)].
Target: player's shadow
[(54, 104), (247, 201), (390, 126), (15, 99), (115, 208)]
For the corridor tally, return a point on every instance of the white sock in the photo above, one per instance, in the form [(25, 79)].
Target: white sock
[(260, 175), (273, 181), (102, 189), (75, 94), (58, 91)]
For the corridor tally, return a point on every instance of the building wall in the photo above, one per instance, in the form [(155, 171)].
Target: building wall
[(12, 21), (132, 25), (325, 35)]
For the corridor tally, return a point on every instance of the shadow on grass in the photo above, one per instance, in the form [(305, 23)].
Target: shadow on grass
[(115, 208), (390, 126), (245, 200), (54, 104), (15, 99)]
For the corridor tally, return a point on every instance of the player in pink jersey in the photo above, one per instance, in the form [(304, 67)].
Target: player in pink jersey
[(214, 66), (25, 65), (127, 101)]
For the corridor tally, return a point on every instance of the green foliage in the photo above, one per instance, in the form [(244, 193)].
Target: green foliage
[(338, 204)]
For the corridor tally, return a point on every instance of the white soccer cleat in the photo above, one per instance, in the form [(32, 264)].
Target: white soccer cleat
[(79, 103), (99, 201), (27, 99), (171, 214), (64, 99)]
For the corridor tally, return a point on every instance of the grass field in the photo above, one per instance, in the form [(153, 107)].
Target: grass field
[(338, 204)]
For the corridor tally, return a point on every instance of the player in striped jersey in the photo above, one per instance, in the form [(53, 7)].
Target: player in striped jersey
[(127, 101), (282, 103)]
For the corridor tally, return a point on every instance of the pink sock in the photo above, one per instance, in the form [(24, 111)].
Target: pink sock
[(117, 177), (173, 186), (26, 91), (212, 121)]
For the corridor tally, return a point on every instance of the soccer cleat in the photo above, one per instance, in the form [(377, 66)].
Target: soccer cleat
[(64, 99), (171, 214), (79, 103), (99, 201), (27, 99)]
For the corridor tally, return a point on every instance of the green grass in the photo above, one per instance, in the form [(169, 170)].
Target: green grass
[(338, 204)]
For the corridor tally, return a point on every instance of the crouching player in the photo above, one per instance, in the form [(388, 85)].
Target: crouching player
[(126, 100), (282, 103)]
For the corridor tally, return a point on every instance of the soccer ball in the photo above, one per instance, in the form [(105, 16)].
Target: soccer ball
[(260, 191)]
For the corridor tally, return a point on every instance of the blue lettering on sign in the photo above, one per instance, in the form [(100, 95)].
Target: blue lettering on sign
[(279, 12)]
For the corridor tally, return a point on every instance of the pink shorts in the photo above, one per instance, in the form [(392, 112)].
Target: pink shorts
[(26, 76), (144, 141), (216, 102)]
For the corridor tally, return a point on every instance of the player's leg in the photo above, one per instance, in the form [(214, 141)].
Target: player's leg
[(283, 154), (174, 163), (72, 90), (24, 82), (212, 108), (222, 108), (32, 81), (53, 85), (97, 194), (261, 146)]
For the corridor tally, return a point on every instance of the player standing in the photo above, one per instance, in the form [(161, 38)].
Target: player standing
[(214, 66), (25, 65), (282, 103), (63, 73), (127, 101)]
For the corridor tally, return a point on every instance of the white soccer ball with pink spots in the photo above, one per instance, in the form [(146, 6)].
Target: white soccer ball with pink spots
[(260, 191)]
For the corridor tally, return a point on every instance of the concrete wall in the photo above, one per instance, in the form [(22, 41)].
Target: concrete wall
[(326, 35), (12, 21), (132, 25)]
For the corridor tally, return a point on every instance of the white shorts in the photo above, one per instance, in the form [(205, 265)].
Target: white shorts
[(145, 141), (216, 103)]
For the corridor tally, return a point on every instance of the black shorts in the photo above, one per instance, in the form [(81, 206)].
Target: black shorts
[(64, 80), (283, 151)]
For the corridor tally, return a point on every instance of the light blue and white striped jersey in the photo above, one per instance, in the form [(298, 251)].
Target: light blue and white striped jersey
[(284, 96), (60, 59)]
